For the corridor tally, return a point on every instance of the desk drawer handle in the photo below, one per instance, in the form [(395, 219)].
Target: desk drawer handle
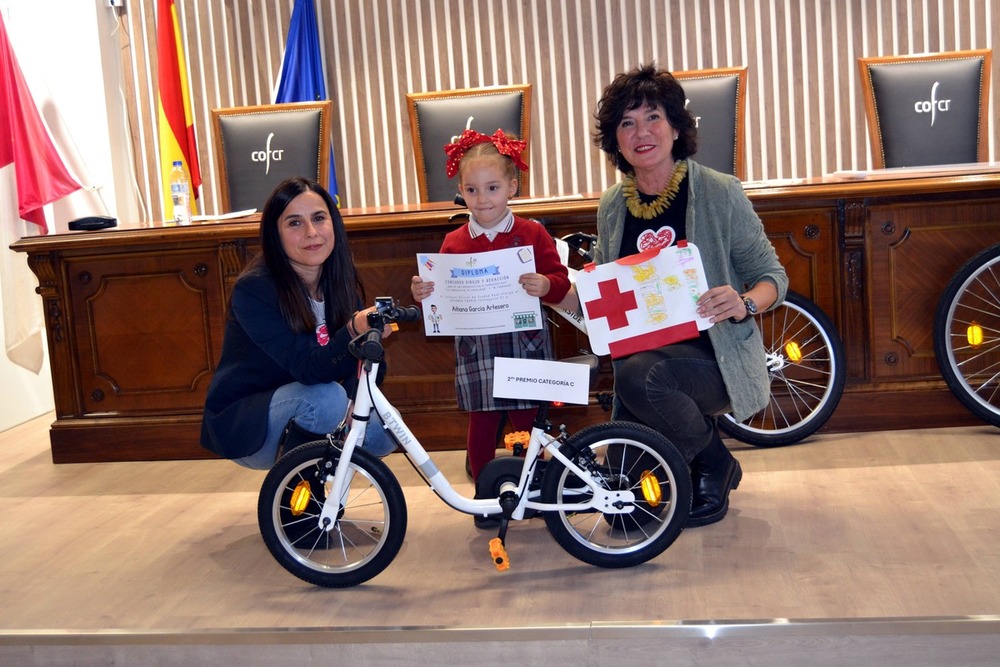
[(200, 270)]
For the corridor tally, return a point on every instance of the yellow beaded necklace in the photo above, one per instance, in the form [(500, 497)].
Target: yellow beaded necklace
[(663, 200)]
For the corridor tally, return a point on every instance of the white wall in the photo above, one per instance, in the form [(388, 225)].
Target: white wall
[(62, 47)]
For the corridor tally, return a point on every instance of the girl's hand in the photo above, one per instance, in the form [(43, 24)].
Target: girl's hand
[(420, 289), (535, 284)]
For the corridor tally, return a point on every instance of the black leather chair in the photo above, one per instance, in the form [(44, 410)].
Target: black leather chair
[(436, 118), (928, 109), (717, 99), (257, 147)]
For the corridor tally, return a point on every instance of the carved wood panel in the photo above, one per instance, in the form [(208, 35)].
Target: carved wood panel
[(148, 328), (914, 249)]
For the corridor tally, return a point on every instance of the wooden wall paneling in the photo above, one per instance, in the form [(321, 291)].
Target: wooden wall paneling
[(801, 59), (147, 328), (914, 250), (881, 249)]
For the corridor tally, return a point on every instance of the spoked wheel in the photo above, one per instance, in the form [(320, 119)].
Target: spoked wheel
[(806, 365), (626, 457), (366, 535), (967, 335)]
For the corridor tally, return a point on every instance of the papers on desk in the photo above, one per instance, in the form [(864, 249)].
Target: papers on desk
[(224, 216)]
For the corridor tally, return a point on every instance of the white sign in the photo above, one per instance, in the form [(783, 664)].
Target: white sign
[(643, 301), (478, 293), (539, 380)]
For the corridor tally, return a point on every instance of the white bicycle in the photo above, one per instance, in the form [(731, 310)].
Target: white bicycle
[(613, 495)]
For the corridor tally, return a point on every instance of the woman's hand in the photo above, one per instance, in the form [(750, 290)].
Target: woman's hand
[(420, 288), (721, 303), (535, 284), (362, 316)]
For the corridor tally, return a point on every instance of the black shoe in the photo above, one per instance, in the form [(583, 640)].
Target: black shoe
[(711, 488)]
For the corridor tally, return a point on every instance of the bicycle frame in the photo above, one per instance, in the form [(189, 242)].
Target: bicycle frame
[(369, 398)]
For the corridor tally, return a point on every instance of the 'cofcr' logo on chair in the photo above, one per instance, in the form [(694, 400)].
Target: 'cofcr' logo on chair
[(933, 105), (269, 154)]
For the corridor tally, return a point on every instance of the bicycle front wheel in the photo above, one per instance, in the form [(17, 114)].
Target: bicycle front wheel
[(627, 457), (368, 530), (967, 335)]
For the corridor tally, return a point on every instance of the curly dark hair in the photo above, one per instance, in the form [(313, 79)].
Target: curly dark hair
[(643, 86), (339, 281)]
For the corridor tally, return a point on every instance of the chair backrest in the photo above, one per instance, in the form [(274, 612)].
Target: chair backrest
[(928, 109), (436, 118), (260, 146), (717, 99)]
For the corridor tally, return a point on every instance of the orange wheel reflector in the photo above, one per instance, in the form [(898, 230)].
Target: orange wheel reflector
[(793, 352), (300, 498), (974, 334), (650, 488)]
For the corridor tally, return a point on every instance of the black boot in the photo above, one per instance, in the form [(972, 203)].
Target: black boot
[(293, 436), (714, 473)]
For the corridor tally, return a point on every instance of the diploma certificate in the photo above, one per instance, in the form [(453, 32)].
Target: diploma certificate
[(478, 293)]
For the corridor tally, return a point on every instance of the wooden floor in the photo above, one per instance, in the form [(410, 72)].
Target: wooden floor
[(847, 549)]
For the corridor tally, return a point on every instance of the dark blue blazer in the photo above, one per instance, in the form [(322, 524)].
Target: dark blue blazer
[(260, 353)]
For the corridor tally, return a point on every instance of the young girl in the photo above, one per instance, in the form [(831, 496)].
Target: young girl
[(487, 169)]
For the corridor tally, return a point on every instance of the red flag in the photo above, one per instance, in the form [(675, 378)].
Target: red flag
[(177, 139), (41, 176)]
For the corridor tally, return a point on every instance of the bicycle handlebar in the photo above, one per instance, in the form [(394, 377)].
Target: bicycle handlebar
[(368, 345)]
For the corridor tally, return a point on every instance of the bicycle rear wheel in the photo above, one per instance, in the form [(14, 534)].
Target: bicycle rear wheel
[(807, 369), (626, 457), (967, 335), (366, 535)]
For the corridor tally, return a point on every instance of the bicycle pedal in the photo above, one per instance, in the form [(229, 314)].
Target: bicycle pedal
[(511, 440), (499, 554)]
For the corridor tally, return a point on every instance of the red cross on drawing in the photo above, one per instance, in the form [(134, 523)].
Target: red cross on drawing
[(613, 304)]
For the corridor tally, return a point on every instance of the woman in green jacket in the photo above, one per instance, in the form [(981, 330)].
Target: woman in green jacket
[(664, 197)]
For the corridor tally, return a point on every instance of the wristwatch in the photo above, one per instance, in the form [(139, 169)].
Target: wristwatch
[(751, 309)]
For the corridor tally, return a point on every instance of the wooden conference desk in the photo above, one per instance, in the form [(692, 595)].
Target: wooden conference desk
[(134, 316)]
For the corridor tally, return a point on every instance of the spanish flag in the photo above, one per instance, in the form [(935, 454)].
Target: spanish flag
[(177, 139)]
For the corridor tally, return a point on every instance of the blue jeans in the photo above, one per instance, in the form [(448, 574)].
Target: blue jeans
[(676, 390), (318, 408)]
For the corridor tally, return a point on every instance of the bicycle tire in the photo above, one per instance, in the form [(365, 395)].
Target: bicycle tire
[(972, 368), (806, 381), (618, 540), (364, 539)]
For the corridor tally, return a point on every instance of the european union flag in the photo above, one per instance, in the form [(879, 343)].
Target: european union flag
[(301, 78)]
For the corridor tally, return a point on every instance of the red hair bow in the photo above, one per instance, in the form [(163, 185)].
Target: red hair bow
[(512, 148)]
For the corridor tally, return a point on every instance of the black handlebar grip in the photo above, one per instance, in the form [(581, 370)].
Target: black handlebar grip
[(407, 314), (371, 345)]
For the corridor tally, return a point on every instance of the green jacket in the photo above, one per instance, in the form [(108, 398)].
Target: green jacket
[(734, 250)]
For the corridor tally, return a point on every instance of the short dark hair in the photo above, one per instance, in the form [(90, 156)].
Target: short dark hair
[(644, 86), (339, 280)]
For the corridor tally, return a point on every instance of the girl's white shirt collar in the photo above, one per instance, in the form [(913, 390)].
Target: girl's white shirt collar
[(504, 226)]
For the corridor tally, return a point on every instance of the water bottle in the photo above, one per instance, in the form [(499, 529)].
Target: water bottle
[(180, 192)]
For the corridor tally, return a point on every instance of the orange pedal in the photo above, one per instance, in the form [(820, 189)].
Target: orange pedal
[(499, 554), (516, 438)]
